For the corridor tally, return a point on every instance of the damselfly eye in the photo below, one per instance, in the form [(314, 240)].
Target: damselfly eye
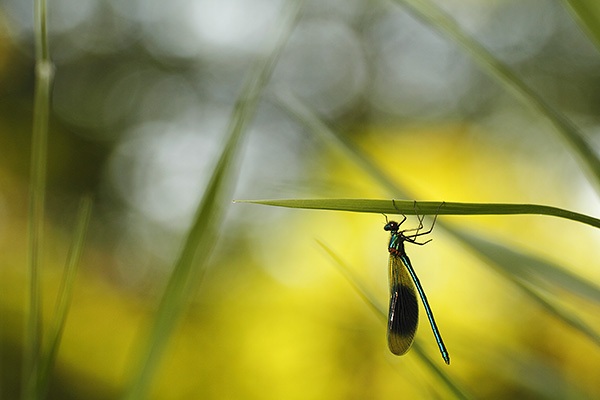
[(391, 226)]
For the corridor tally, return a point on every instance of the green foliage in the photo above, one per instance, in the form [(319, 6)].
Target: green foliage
[(39, 149), (587, 13), (444, 377), (441, 22), (190, 266), (536, 272), (65, 294), (427, 208), (531, 274)]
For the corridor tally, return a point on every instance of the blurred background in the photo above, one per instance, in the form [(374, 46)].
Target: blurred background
[(142, 96)]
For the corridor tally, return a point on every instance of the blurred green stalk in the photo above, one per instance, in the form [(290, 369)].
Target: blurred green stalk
[(451, 384), (65, 294), (587, 15), (190, 266), (437, 19), (37, 188), (531, 274)]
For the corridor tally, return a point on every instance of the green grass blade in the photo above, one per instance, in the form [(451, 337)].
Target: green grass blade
[(381, 313), (190, 266), (529, 268), (489, 252), (427, 208), (537, 272), (39, 150), (455, 388), (367, 297), (437, 19), (65, 294), (587, 14), (314, 125)]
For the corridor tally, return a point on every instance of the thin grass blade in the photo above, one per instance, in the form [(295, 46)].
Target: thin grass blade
[(296, 108), (488, 252), (381, 313), (529, 268), (44, 72), (440, 21), (538, 273), (190, 266), (65, 294), (427, 208), (455, 388), (362, 291), (534, 270), (587, 14)]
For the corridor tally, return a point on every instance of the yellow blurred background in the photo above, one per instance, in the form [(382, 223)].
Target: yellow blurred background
[(142, 96)]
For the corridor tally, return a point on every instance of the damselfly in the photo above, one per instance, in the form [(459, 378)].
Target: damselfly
[(404, 307)]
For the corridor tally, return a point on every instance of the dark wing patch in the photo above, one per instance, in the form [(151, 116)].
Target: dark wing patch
[(403, 315)]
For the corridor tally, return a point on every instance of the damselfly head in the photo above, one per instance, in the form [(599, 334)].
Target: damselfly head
[(392, 226)]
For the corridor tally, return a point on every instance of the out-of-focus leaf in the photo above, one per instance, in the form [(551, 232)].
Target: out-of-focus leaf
[(65, 294), (433, 16), (534, 270), (503, 265), (44, 74), (379, 310), (587, 14), (530, 268), (336, 142), (538, 272), (189, 268)]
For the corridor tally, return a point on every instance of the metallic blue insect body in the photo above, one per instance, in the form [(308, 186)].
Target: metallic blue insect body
[(404, 308)]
